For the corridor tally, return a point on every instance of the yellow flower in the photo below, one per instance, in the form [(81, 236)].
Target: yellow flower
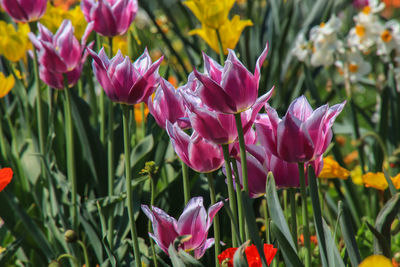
[(212, 13), (376, 260), (378, 181), (332, 169), (120, 43), (356, 175), (230, 33), (54, 16), (2, 249), (6, 84), (14, 42), (138, 112)]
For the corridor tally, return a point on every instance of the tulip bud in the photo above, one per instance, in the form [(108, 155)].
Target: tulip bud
[(70, 236)]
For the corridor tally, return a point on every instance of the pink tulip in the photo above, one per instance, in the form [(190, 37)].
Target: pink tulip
[(60, 54), (198, 153), (110, 17), (260, 162), (302, 135), (167, 105), (215, 126), (123, 81), (194, 221), (24, 10), (230, 89)]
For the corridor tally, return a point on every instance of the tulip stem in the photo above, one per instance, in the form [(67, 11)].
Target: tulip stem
[(231, 193), (111, 171), (293, 217), (102, 103), (85, 253), (221, 49), (306, 231), (239, 202), (69, 135), (266, 220), (152, 192), (129, 199), (217, 244), (243, 160), (186, 184)]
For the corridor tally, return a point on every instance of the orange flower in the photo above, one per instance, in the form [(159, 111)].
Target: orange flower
[(64, 4), (350, 158), (253, 258), (6, 175), (313, 239), (138, 112), (332, 169)]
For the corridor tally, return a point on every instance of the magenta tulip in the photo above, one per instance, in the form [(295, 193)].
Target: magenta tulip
[(215, 126), (198, 153), (110, 17), (24, 10), (60, 54), (260, 162), (194, 221), (123, 81), (230, 89), (302, 134), (168, 105)]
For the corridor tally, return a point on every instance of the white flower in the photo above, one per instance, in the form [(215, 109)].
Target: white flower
[(325, 42), (302, 48), (389, 39), (367, 29), (355, 66)]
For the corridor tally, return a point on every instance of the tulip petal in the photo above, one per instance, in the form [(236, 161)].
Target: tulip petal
[(212, 210), (199, 252), (105, 22), (260, 62), (180, 141)]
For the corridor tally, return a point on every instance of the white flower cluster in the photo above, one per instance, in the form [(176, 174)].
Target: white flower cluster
[(369, 35)]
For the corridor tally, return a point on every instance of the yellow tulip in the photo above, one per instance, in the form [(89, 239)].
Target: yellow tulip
[(230, 33), (14, 42), (378, 181), (54, 16), (356, 175), (212, 13), (6, 84), (332, 169), (376, 260)]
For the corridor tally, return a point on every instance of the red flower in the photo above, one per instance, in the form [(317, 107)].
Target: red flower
[(253, 258), (5, 177)]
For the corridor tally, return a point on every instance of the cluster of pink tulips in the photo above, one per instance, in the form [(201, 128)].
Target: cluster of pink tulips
[(215, 112)]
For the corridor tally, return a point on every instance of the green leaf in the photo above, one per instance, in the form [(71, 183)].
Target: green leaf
[(349, 235), (334, 258), (10, 251), (252, 226), (239, 259), (139, 153), (289, 254), (276, 212), (383, 222), (312, 180)]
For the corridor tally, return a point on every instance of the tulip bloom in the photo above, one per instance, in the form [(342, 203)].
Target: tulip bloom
[(194, 221), (229, 32), (195, 151), (302, 135), (230, 89), (14, 42), (60, 54), (212, 13), (6, 175), (123, 81), (110, 17), (6, 84), (167, 105), (252, 255), (215, 126), (24, 10)]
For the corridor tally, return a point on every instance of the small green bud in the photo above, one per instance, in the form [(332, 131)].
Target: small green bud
[(70, 236)]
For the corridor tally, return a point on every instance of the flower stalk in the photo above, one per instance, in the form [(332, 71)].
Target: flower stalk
[(304, 210), (217, 245), (128, 177)]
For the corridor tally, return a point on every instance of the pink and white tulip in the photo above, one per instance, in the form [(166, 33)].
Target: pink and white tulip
[(24, 10), (194, 221)]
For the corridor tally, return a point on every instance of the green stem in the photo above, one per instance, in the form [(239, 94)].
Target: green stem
[(221, 49), (102, 107), (68, 256), (142, 107), (69, 135), (293, 216), (217, 245), (242, 224), (231, 193), (129, 199), (152, 192), (186, 184), (243, 160), (304, 210), (3, 148), (111, 171), (266, 221), (85, 253)]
